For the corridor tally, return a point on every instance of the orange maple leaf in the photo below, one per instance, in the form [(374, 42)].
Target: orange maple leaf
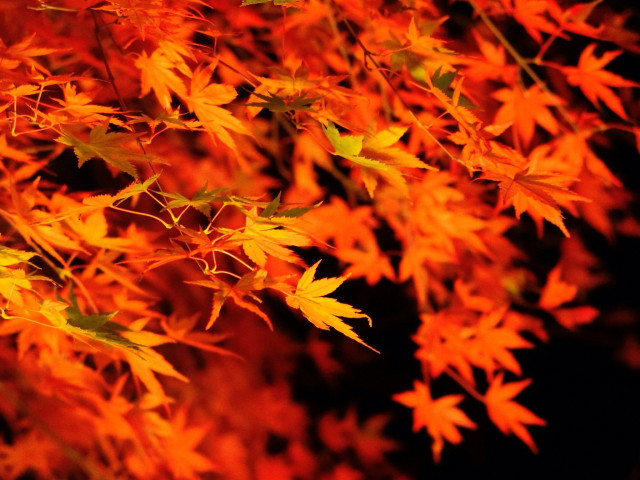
[(366, 260), (532, 15), (443, 343), (492, 341), (204, 99), (157, 73), (594, 81), (537, 194), (179, 447), (23, 52), (366, 438), (439, 416), (525, 108), (509, 416), (238, 293), (181, 330)]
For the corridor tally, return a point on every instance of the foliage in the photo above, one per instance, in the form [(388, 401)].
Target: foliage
[(170, 168)]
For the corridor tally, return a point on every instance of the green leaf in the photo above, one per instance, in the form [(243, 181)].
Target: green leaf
[(402, 56), (443, 83), (98, 326), (271, 102), (86, 322), (271, 208), (303, 103)]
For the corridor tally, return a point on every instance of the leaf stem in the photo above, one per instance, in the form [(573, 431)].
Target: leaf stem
[(465, 384)]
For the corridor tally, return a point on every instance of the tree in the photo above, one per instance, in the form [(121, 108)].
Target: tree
[(170, 169)]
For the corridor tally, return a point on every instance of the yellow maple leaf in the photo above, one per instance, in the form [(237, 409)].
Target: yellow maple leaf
[(262, 238), (324, 312)]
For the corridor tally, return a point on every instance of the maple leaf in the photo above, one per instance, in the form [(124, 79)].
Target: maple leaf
[(78, 108), (417, 48), (239, 293), (492, 341), (22, 53), (525, 108), (27, 221), (574, 19), (11, 256), (531, 15), (12, 279), (6, 151), (29, 452), (594, 81), (323, 312), (376, 155), (97, 326), (366, 261), (203, 100), (157, 72), (441, 417), (443, 342), (538, 194), (350, 146), (572, 149), (366, 439), (494, 64), (180, 447), (107, 146), (132, 190), (380, 147), (181, 330), (507, 415), (321, 224), (261, 237), (443, 81), (144, 362)]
